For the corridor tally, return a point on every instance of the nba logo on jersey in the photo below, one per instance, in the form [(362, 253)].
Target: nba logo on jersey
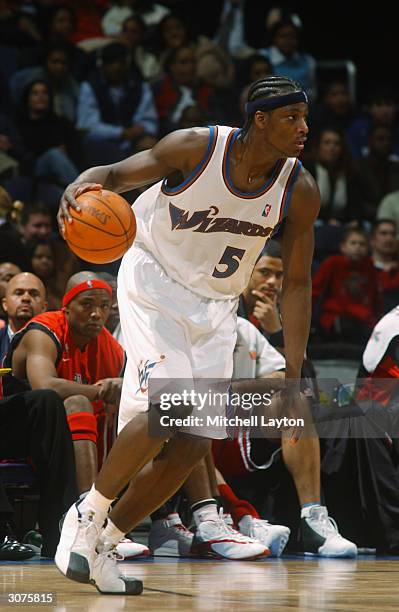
[(267, 209), (144, 370)]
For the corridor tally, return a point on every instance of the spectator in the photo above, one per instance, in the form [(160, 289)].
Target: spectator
[(389, 208), (42, 255), (342, 189), (384, 245), (334, 109), (379, 171), (192, 116), (380, 111), (230, 34), (115, 108), (7, 271), (11, 248), (11, 148), (50, 140), (133, 35), (172, 33), (216, 69), (36, 222), (179, 88), (58, 25), (384, 253), (287, 59), (346, 293), (25, 297), (253, 68), (56, 70), (151, 13)]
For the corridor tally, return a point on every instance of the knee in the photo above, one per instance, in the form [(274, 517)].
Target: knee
[(77, 403), (192, 451)]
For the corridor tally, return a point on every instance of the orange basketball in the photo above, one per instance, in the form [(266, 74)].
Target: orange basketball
[(104, 228)]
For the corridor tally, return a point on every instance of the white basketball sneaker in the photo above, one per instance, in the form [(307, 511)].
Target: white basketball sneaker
[(275, 537), (106, 577), (76, 548), (217, 539), (128, 549), (170, 538), (320, 536)]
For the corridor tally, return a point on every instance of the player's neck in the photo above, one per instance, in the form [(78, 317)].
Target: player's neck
[(253, 157), (80, 341)]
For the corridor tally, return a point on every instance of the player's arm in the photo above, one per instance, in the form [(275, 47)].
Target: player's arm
[(297, 254), (181, 150), (41, 373)]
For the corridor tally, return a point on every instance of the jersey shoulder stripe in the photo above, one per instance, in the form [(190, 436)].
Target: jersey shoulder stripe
[(198, 170)]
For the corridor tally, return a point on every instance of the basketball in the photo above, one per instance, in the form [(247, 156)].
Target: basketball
[(104, 228)]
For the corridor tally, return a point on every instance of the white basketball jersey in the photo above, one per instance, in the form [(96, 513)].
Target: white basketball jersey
[(206, 234)]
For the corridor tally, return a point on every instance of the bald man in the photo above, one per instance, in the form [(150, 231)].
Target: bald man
[(25, 297)]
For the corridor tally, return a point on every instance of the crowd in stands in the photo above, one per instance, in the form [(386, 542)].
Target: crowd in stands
[(86, 83)]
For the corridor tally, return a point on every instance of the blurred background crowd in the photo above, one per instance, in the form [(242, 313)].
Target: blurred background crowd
[(90, 82)]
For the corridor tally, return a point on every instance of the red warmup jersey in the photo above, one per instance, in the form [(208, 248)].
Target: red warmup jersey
[(102, 357), (347, 288)]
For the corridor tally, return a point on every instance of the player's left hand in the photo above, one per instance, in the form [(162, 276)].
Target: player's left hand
[(291, 404), (110, 390)]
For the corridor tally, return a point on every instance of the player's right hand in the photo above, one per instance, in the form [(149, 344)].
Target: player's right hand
[(68, 200)]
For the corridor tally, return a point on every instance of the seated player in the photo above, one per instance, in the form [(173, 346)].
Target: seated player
[(71, 352)]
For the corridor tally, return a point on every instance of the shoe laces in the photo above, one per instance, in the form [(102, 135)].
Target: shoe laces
[(86, 520), (108, 560), (258, 525), (325, 523), (224, 528)]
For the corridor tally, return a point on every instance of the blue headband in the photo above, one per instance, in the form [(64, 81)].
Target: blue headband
[(268, 104)]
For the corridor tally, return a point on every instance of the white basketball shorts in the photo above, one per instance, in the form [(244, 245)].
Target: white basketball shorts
[(168, 331)]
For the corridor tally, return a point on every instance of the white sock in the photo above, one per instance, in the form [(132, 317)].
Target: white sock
[(244, 524), (306, 508), (206, 513), (111, 534), (94, 500)]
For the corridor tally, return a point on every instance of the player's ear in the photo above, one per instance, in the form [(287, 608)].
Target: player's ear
[(4, 304), (45, 304), (261, 119)]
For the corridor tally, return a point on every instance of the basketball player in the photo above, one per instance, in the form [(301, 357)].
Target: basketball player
[(220, 194)]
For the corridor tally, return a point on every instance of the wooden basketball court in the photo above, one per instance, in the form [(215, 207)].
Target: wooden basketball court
[(291, 583)]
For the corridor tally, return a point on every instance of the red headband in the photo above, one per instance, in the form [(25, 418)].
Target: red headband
[(86, 286)]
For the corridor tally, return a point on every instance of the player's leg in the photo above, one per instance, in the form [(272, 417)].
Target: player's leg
[(156, 345), (83, 426), (158, 481), (244, 514), (214, 537), (319, 533)]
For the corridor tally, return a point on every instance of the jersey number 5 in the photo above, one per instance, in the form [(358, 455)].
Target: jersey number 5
[(230, 258)]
